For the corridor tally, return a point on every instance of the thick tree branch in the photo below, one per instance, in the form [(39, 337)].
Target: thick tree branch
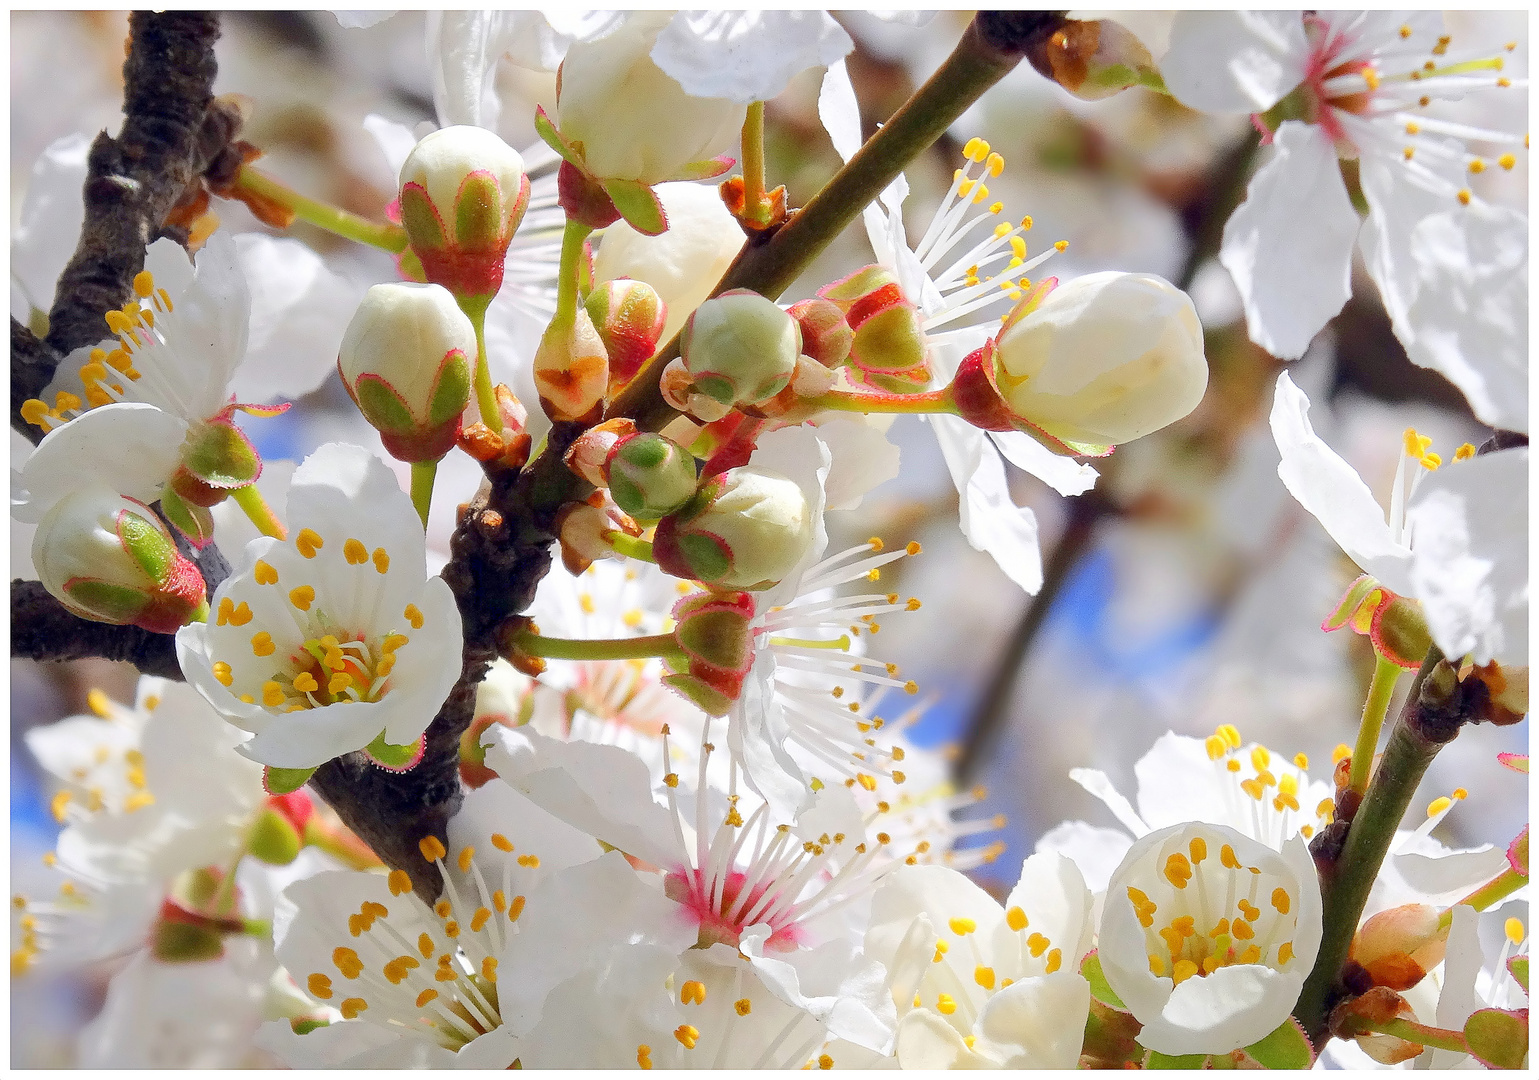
[(32, 366), (41, 629)]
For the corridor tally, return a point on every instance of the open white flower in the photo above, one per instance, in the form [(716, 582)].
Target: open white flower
[(1471, 570), (983, 986), (947, 275), (1208, 935), (336, 641), (1452, 270)]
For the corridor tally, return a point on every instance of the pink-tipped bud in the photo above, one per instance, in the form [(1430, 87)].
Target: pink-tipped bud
[(826, 337), (463, 194), (888, 348), (571, 370), (406, 360), (650, 476), (629, 317), (740, 348), (589, 453), (746, 529), (1399, 946), (715, 634), (109, 559), (1096, 58)]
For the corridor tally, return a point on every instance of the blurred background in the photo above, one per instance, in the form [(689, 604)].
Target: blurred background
[(1186, 590)]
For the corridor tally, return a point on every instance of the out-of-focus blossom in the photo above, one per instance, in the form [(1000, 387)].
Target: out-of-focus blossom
[(1452, 269)]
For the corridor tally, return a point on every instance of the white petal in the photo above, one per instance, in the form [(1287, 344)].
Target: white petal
[(1234, 61), (1037, 1023), (332, 487), (51, 216), (1331, 490), (131, 448), (463, 50), (746, 56), (1289, 245), (300, 310), (1099, 784), (1096, 851), (839, 110), (395, 142), (1469, 528), (207, 340), (1053, 895), (936, 891), (1063, 474), (989, 517), (360, 20), (1461, 968), (862, 458), (1233, 1007), (927, 1041)]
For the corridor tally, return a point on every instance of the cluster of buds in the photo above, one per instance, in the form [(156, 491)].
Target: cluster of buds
[(737, 349), (463, 194), (406, 360), (629, 318), (1103, 360), (108, 558), (887, 347)]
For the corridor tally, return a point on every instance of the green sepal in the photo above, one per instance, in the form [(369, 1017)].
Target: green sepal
[(303, 1025), (222, 457), (382, 407), (1286, 1048), (1518, 965), (638, 204), (393, 757), (546, 130), (451, 393), (420, 219), (148, 543), (284, 781), (1100, 989), (1154, 1060), (185, 943), (706, 555), (1111, 1038), (1498, 1038), (273, 839), (478, 211), (195, 522), (710, 700), (105, 601)]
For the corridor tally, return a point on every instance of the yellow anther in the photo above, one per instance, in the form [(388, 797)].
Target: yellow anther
[(1464, 196), (1261, 758), (222, 673), (273, 695), (58, 803), (1227, 857), (692, 993), (1405, 31), (413, 616), (1061, 245), (1507, 161), (399, 882), (1016, 919), (1251, 955), (144, 284), (1156, 964), (976, 149), (352, 1007), (466, 857), (489, 969), (1199, 849), (962, 926), (825, 1062), (530, 861), (305, 683), (451, 929), (876, 543), (1183, 970), (354, 552), (1281, 900), (347, 962), (1371, 77), (501, 843), (996, 207), (1465, 452), (34, 411), (308, 542), (644, 1056), (319, 986), (994, 165), (1215, 747), (302, 597), (984, 977), (262, 645), (1514, 930), (264, 573), (222, 614), (946, 1005), (339, 682), (1437, 806), (1477, 166), (392, 642), (687, 1035), (515, 909), (1177, 870), (1036, 944), (399, 969), (432, 848), (672, 779), (1285, 952), (426, 996), (866, 780)]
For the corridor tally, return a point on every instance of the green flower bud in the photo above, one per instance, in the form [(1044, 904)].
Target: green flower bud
[(109, 559), (747, 529), (1096, 58), (629, 317), (406, 361), (740, 348), (650, 476), (273, 838)]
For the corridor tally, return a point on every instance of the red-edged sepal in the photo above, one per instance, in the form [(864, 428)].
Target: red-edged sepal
[(1393, 623)]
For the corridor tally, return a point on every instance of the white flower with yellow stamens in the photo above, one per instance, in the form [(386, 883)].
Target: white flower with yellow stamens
[(782, 894), (336, 640), (1207, 936), (962, 278), (419, 985), (980, 986), (1366, 87)]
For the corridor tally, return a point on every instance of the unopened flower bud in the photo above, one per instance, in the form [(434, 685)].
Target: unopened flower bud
[(1096, 58), (583, 529), (1395, 624), (715, 633), (273, 839), (746, 529), (677, 387), (740, 348), (1399, 946), (406, 360), (109, 559), (589, 453), (888, 349), (633, 121), (463, 194), (1103, 360), (650, 476), (826, 337), (683, 264), (629, 317), (571, 370)]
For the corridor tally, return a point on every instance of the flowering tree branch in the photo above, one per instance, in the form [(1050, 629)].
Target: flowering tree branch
[(41, 629)]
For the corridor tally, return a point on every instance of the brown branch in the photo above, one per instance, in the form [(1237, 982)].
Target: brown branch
[(33, 363), (169, 137), (41, 629)]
